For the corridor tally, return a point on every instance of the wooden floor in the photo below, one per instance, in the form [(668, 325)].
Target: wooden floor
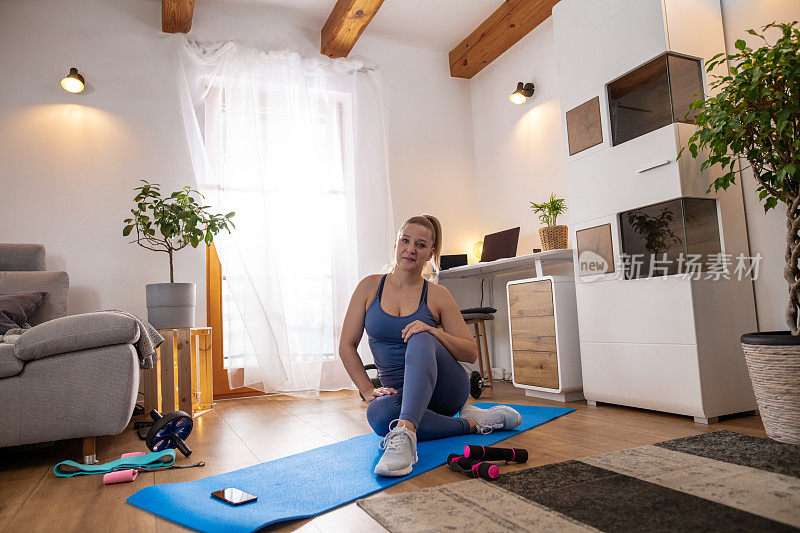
[(240, 433)]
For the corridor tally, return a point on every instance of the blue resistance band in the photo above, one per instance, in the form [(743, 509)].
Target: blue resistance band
[(148, 461)]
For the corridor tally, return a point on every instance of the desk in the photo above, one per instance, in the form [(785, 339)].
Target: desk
[(540, 262), (521, 262), (558, 262)]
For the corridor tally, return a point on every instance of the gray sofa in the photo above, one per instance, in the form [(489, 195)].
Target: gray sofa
[(68, 376)]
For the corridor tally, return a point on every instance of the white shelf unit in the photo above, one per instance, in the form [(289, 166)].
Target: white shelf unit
[(666, 343)]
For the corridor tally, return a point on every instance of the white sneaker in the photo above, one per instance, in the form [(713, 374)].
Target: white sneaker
[(487, 420), (401, 451)]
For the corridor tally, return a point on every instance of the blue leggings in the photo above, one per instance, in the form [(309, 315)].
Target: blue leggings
[(433, 388)]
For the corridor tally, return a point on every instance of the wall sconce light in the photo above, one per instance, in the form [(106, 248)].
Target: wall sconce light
[(524, 91), (73, 82)]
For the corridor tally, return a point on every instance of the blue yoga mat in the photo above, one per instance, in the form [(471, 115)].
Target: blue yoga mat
[(308, 483)]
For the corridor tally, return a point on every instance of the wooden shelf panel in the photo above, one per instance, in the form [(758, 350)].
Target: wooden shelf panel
[(537, 333), (531, 299), (537, 369), (533, 334)]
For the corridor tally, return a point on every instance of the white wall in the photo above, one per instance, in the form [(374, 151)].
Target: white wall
[(69, 162), (519, 158), (767, 233), (430, 139), (519, 151)]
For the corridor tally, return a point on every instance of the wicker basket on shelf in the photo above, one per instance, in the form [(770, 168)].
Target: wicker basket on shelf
[(553, 237)]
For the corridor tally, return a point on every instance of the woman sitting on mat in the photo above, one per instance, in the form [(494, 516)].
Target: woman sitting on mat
[(423, 384)]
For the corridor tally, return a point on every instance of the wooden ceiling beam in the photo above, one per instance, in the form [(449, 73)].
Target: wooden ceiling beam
[(345, 24), (512, 21), (176, 16)]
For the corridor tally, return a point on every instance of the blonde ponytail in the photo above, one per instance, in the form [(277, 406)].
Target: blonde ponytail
[(437, 248)]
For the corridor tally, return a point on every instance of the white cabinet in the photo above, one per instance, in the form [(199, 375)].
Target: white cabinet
[(639, 172), (646, 311), (543, 333), (597, 41), (668, 343)]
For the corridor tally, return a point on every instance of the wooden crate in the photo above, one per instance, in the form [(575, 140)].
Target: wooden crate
[(182, 378)]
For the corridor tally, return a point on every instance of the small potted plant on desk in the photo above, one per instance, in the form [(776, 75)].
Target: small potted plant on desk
[(168, 224), (553, 236), (756, 114)]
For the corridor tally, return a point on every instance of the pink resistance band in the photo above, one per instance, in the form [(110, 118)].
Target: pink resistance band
[(122, 476)]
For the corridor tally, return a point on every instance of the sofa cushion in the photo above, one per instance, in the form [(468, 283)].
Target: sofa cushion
[(9, 364), (21, 256), (56, 284), (15, 309), (76, 332)]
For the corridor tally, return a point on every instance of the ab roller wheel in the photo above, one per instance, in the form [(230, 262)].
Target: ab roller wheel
[(168, 431)]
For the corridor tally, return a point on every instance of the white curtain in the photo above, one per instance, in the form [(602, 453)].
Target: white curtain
[(297, 148)]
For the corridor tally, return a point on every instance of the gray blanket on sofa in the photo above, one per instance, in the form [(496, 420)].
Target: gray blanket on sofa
[(149, 339), (12, 335)]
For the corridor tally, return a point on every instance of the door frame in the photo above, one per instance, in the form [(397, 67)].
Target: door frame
[(214, 279)]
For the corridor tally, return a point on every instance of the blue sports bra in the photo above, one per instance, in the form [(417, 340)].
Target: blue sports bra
[(385, 339)]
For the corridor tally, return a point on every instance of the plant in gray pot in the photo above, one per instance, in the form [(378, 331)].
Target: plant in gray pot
[(756, 114), (168, 224)]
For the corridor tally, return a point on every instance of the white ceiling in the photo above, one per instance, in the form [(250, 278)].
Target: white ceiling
[(431, 24), (434, 24)]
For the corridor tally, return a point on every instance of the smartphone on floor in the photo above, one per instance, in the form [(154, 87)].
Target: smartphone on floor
[(234, 496)]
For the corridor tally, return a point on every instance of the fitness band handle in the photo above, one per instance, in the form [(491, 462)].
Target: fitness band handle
[(470, 468), (489, 453)]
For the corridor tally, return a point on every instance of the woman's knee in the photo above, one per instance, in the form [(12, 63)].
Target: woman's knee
[(421, 347), (423, 339), (381, 411)]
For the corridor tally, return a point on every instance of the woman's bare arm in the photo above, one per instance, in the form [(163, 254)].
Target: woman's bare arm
[(352, 331)]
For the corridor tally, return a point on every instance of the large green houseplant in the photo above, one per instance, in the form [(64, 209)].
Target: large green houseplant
[(552, 235), (755, 114), (168, 224)]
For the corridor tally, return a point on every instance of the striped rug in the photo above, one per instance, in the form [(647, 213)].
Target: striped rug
[(714, 481)]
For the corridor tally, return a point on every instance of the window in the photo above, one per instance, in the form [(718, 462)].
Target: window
[(289, 179)]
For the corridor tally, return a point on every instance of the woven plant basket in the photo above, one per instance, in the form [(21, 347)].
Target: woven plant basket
[(553, 237), (773, 359)]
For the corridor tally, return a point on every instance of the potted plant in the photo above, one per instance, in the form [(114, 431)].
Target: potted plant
[(656, 231), (756, 114), (168, 224), (553, 236)]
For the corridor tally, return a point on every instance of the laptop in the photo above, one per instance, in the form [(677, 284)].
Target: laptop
[(500, 245), (452, 260)]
